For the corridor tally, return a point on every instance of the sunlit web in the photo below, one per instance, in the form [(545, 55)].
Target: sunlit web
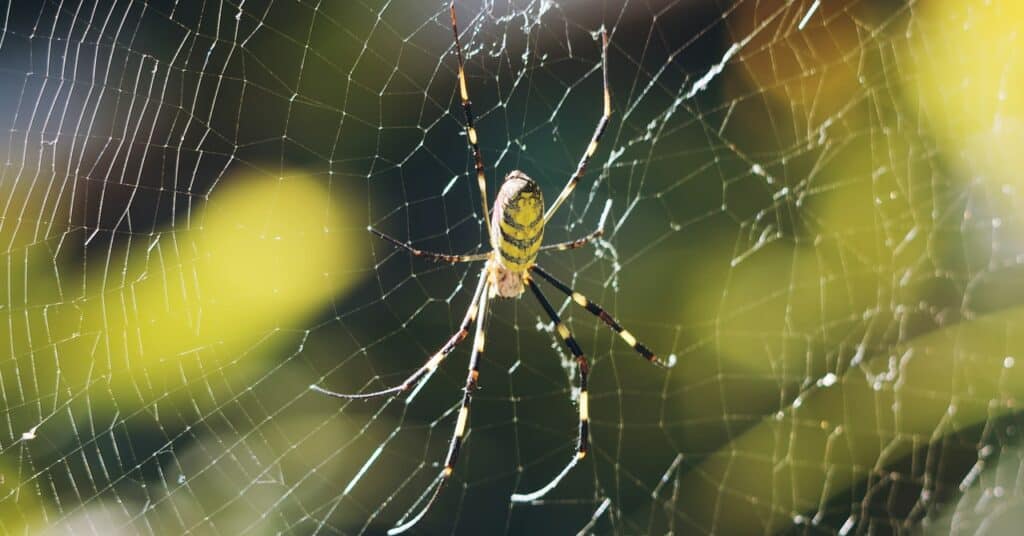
[(814, 210)]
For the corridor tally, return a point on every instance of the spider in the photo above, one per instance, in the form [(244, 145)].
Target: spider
[(515, 229)]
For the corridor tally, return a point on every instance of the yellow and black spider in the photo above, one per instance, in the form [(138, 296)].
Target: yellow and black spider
[(515, 229)]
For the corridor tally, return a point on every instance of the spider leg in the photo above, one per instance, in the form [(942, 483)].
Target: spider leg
[(580, 242), (599, 312), (583, 367), (467, 106), (436, 257), (574, 244), (462, 424), (581, 168), (433, 362)]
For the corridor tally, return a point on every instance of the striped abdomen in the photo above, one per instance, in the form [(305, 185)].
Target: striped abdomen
[(517, 224)]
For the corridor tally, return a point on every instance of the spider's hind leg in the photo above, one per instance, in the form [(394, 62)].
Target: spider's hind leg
[(602, 123), (467, 107)]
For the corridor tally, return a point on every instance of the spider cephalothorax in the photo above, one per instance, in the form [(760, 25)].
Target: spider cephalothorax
[(515, 229)]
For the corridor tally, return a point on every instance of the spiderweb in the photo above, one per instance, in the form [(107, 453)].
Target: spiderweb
[(813, 213)]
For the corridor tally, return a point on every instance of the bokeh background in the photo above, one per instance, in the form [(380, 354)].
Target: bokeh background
[(814, 213)]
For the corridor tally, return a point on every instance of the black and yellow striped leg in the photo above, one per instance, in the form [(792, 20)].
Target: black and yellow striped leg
[(574, 244), (430, 255), (472, 377), (581, 365), (581, 168), (599, 312), (433, 362), (462, 422), (467, 106), (582, 241)]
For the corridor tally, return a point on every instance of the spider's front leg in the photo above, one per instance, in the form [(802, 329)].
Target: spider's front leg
[(433, 361), (462, 422), (605, 317), (583, 445)]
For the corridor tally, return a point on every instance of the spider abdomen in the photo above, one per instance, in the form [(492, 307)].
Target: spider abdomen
[(517, 224)]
